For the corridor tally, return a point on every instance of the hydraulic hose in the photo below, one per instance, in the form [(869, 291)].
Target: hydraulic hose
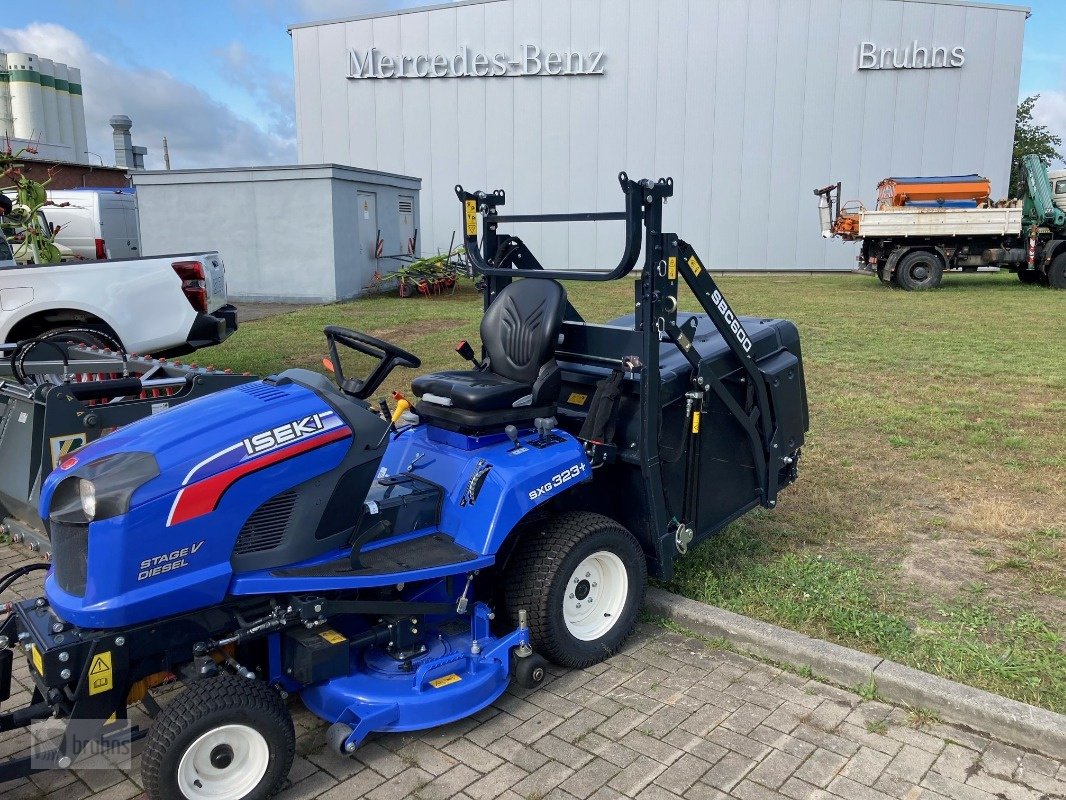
[(8, 580)]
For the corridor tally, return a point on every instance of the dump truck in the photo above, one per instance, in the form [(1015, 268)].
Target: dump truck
[(925, 226)]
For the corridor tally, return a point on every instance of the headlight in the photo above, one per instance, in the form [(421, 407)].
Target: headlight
[(100, 489), (87, 490)]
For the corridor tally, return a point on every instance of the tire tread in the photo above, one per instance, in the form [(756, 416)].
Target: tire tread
[(204, 697), (533, 567)]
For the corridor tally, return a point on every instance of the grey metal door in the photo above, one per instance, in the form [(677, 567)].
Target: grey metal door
[(368, 225)]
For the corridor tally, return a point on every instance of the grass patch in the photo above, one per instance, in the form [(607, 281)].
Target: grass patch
[(929, 521)]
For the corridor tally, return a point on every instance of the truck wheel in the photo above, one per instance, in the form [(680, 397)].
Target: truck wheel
[(919, 270), (1030, 276), (223, 738), (581, 580), (1056, 274)]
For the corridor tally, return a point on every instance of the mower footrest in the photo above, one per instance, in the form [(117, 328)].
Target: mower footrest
[(425, 552)]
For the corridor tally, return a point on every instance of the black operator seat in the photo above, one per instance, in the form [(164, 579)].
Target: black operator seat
[(519, 380)]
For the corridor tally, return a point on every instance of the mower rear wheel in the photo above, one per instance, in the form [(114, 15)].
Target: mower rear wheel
[(222, 738), (581, 579)]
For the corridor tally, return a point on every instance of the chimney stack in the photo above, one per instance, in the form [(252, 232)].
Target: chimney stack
[(126, 154)]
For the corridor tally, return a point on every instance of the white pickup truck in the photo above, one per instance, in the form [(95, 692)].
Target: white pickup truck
[(162, 305)]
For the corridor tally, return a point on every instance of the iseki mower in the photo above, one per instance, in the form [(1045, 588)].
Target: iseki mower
[(283, 537)]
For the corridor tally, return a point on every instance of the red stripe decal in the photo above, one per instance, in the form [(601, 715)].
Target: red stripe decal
[(203, 497)]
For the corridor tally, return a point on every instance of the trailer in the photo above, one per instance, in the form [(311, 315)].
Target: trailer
[(911, 243)]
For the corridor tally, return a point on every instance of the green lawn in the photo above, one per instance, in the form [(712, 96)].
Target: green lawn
[(929, 520)]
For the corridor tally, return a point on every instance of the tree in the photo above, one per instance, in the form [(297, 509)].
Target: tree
[(1031, 138)]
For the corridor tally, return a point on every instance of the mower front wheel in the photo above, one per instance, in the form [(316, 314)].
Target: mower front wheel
[(581, 579), (223, 738)]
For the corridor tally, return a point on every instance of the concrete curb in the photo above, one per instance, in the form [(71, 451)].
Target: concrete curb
[(1009, 720)]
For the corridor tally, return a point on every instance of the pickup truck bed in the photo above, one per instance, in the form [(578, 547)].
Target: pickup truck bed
[(166, 305)]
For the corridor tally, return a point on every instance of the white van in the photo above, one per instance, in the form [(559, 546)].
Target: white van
[(96, 223)]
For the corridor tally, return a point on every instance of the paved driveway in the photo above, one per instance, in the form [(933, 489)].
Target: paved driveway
[(669, 717)]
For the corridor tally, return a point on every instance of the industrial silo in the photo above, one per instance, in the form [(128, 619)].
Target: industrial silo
[(5, 100), (50, 134), (66, 124), (77, 115), (27, 104)]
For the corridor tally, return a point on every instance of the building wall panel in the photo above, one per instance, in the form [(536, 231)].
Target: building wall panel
[(747, 105)]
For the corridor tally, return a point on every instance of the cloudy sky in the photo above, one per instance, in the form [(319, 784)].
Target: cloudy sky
[(215, 77)]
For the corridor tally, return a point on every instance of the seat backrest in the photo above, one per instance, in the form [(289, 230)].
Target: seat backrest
[(520, 329)]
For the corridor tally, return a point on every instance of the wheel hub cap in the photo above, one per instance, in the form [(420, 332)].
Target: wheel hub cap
[(226, 763), (595, 596), (222, 756)]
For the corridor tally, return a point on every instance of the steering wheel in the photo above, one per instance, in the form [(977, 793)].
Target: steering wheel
[(389, 357)]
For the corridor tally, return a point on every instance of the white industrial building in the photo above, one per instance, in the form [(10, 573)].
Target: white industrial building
[(41, 105), (748, 104)]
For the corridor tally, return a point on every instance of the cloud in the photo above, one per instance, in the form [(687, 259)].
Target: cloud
[(273, 89), (201, 131), (1050, 110)]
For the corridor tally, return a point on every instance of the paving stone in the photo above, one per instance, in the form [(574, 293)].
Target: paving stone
[(466, 752), (448, 785), (615, 752), (866, 766), (783, 742), (825, 740), (775, 769), (633, 778), (666, 719), (543, 780), (846, 787), (311, 786), (749, 790), (911, 763), (512, 752), (821, 767), (356, 786), (728, 772), (730, 740), (591, 777), (683, 773), (953, 789), (798, 789), (494, 784), (410, 781)]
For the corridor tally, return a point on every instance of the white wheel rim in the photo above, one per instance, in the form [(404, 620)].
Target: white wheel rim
[(595, 596), (226, 763)]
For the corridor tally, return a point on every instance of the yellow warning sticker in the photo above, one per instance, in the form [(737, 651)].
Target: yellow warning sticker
[(332, 637), (471, 217), (694, 265), (671, 268), (63, 446), (38, 662), (577, 399), (101, 678), (446, 680), (696, 422)]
